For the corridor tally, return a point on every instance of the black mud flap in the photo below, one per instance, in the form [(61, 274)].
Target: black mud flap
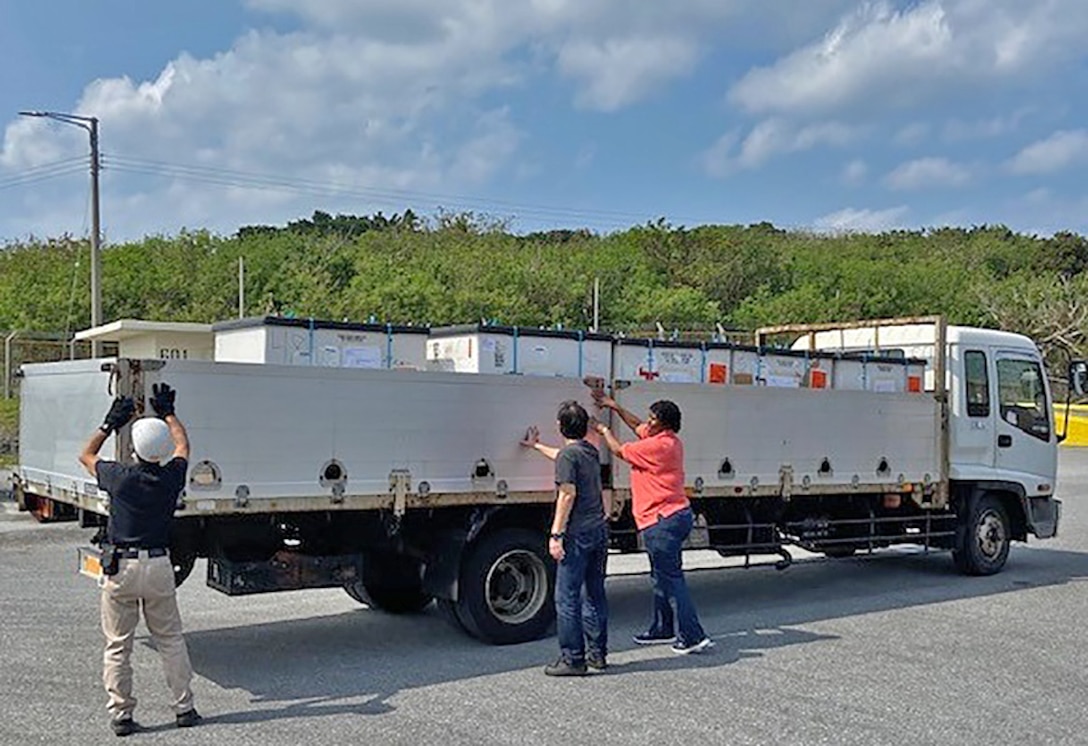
[(1044, 514), (442, 568)]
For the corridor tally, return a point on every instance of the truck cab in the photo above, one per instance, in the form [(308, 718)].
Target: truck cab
[(1000, 433)]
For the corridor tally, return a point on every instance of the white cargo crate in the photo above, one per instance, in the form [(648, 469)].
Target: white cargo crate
[(482, 348), (651, 359), (327, 344), (781, 369), (879, 374), (741, 365)]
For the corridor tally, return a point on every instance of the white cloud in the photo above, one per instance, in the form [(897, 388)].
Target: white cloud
[(851, 220), (770, 138), (911, 134), (717, 160), (618, 72), (616, 51), (881, 56), (383, 94), (1062, 149), (959, 129), (928, 172), (854, 172)]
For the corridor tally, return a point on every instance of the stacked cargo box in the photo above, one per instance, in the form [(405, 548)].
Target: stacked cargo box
[(332, 344), (485, 348)]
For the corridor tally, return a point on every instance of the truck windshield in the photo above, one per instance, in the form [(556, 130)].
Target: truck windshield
[(1023, 396)]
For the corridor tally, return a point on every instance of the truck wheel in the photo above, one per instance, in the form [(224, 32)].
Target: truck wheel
[(507, 588), (983, 541), (391, 583), (839, 552)]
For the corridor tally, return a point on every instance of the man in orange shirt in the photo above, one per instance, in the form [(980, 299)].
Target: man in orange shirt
[(663, 517)]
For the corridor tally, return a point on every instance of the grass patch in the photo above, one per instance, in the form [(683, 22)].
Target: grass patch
[(9, 432)]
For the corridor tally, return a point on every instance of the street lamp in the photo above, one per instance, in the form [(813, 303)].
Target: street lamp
[(90, 124)]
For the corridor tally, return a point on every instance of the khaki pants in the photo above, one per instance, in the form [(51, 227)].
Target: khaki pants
[(146, 583)]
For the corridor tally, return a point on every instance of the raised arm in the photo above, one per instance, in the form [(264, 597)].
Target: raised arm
[(607, 402), (180, 436), (163, 398), (121, 411), (532, 440)]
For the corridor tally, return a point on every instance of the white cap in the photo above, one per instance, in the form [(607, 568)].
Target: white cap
[(151, 439)]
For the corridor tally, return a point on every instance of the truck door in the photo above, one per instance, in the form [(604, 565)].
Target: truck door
[(1025, 433), (972, 422)]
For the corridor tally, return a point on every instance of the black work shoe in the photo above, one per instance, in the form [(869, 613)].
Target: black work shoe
[(564, 667), (124, 727), (654, 638), (189, 718), (596, 662)]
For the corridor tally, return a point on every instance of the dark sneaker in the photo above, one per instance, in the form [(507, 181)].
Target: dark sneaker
[(189, 719), (124, 727), (596, 662), (654, 638), (565, 668), (683, 648)]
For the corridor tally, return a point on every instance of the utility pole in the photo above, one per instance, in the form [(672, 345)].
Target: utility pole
[(90, 125)]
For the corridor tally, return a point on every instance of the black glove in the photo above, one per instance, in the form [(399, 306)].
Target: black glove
[(162, 399), (120, 413)]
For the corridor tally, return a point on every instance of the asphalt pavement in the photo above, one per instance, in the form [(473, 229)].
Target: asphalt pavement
[(891, 649)]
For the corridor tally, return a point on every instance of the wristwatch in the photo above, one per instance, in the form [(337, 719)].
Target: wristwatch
[(558, 537)]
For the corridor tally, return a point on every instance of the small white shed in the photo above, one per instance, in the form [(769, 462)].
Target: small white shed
[(146, 340)]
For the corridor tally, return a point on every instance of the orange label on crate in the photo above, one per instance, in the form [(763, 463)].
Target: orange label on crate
[(817, 379), (719, 373), (914, 384)]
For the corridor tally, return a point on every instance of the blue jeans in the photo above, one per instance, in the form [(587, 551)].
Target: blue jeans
[(663, 541), (582, 621)]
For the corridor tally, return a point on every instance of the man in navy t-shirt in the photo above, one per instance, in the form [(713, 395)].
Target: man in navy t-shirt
[(579, 543), (143, 497)]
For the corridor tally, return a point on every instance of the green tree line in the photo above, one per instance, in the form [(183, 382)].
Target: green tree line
[(456, 268)]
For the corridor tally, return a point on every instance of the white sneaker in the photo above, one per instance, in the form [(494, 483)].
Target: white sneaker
[(681, 649)]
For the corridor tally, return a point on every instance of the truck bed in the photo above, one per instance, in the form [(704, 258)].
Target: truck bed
[(264, 436)]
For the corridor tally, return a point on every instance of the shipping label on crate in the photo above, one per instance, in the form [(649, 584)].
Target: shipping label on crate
[(677, 366), (362, 357)]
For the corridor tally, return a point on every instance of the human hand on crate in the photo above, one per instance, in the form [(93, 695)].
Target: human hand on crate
[(531, 438)]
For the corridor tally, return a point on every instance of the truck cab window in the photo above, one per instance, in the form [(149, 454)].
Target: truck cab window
[(977, 378), (1023, 396)]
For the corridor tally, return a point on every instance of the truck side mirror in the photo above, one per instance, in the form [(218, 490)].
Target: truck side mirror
[(1078, 377)]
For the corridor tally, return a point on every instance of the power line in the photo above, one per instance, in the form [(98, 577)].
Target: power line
[(250, 180), (42, 174), (49, 165)]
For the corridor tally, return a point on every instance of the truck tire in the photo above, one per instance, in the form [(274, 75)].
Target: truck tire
[(391, 583), (983, 541), (506, 591)]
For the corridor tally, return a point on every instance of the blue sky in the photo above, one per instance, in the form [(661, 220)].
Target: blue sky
[(822, 114)]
